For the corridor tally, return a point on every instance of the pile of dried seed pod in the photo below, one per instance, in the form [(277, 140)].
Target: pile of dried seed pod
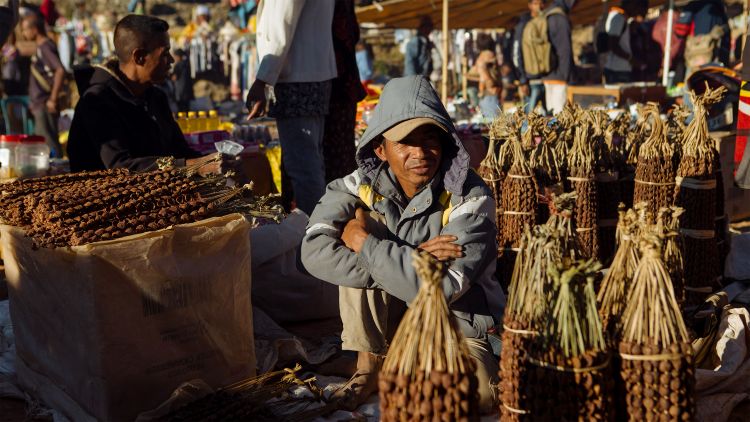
[(655, 171), (428, 373), (88, 207), (656, 356), (581, 163), (570, 377), (695, 191)]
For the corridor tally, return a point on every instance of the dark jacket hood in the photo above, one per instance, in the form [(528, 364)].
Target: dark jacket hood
[(566, 5), (403, 99), (103, 74)]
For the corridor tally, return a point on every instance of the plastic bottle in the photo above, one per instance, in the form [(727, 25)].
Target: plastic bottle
[(190, 125), (32, 157), (202, 121), (182, 121), (213, 120), (8, 144)]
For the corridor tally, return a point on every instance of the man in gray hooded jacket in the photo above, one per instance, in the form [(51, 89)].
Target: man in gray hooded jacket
[(413, 189)]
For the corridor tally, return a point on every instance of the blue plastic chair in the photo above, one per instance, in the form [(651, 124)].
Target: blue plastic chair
[(8, 107)]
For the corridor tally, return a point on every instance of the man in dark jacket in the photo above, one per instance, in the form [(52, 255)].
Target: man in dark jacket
[(556, 82), (532, 88), (122, 120), (8, 18), (413, 190), (418, 56)]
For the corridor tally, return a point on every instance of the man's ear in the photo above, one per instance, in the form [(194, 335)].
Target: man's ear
[(139, 56), (379, 148)]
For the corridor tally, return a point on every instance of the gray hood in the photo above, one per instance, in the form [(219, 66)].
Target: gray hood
[(403, 99)]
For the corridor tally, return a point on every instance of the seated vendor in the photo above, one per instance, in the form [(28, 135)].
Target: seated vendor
[(122, 119), (413, 189)]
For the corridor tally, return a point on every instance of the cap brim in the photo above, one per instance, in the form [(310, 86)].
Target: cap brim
[(400, 131)]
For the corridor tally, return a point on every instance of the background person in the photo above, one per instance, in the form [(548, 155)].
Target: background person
[(45, 83)]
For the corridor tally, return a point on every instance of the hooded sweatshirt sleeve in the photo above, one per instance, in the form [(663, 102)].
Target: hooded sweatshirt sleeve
[(471, 221), (323, 253)]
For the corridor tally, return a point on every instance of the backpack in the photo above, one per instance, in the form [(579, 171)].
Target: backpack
[(702, 49), (601, 37), (535, 44)]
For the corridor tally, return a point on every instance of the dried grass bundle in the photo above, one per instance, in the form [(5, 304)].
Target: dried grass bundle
[(491, 172), (654, 173), (657, 359), (261, 398), (542, 247), (668, 228), (695, 191), (519, 205), (428, 373), (581, 162), (570, 378), (607, 184), (613, 292)]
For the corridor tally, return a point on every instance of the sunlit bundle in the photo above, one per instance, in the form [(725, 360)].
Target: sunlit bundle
[(695, 191), (428, 373)]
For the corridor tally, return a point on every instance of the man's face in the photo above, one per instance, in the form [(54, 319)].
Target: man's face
[(415, 159), (156, 64), (29, 30), (535, 6)]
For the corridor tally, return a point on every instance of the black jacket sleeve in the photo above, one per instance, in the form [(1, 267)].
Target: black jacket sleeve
[(109, 136), (558, 27)]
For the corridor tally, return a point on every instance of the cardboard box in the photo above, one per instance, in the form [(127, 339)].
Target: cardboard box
[(107, 330)]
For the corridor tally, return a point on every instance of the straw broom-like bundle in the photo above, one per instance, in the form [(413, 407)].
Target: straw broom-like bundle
[(668, 227), (519, 205), (633, 140), (583, 181), (529, 293), (612, 296), (695, 191), (654, 173), (607, 185), (261, 398), (657, 358), (428, 373), (570, 375), (517, 334), (491, 173)]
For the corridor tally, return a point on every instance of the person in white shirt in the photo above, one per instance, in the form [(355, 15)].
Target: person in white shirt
[(295, 48)]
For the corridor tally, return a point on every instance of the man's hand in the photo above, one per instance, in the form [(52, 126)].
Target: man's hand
[(355, 232), (442, 247), (524, 90), (256, 99), (51, 106)]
